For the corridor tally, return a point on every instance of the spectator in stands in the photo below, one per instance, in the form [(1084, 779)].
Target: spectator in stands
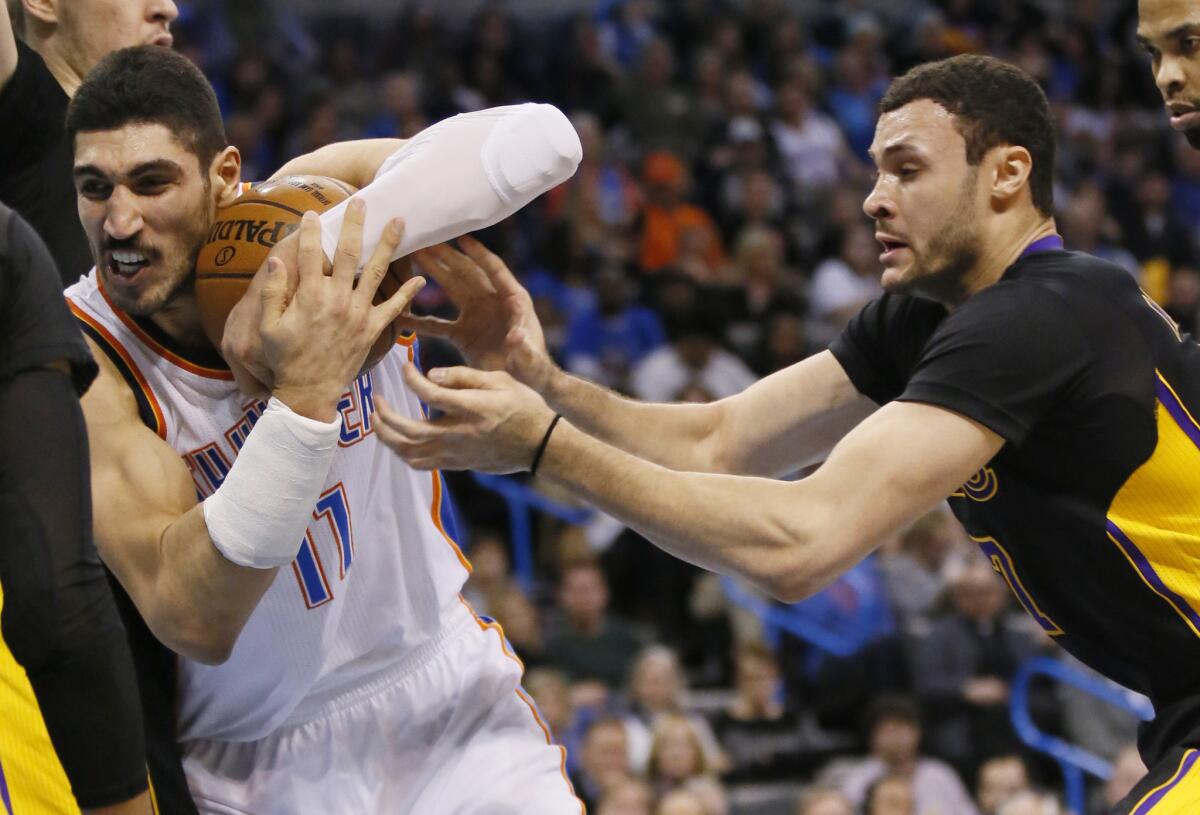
[(490, 577), (894, 737), (605, 342), (916, 571), (1000, 779), (667, 214), (823, 801), (764, 288), (657, 689), (589, 642), (678, 762), (842, 285), (784, 342), (551, 693), (683, 802), (658, 114), (1031, 803), (522, 625), (603, 761), (762, 738), (810, 145), (962, 670), (890, 795), (398, 112), (1127, 770), (693, 359), (629, 797)]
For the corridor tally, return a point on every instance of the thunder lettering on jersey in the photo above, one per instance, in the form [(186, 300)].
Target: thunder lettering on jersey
[(375, 574)]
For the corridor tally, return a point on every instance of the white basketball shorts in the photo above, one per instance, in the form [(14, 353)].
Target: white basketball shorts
[(452, 735)]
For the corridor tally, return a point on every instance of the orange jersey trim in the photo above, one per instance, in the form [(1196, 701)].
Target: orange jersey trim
[(159, 419), (155, 346), (524, 697)]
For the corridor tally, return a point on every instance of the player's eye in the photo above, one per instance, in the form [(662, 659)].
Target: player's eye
[(1189, 45), (152, 185), (907, 171), (95, 190)]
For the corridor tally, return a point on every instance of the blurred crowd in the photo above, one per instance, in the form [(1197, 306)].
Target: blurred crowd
[(712, 235)]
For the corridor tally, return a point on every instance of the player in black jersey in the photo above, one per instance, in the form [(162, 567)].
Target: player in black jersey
[(1039, 389), (71, 726)]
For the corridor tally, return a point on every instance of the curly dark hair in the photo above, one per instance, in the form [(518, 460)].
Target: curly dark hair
[(150, 84), (993, 103)]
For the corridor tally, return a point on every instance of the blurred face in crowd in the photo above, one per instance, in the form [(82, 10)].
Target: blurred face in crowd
[(626, 798), (584, 595), (84, 31), (549, 690), (147, 208), (1169, 30), (926, 202), (680, 803), (489, 558), (978, 594), (999, 780), (656, 682), (891, 796), (757, 680), (605, 755), (829, 802), (517, 613), (676, 754), (895, 740)]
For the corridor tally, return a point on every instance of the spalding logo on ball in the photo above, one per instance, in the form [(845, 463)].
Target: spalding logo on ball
[(245, 232)]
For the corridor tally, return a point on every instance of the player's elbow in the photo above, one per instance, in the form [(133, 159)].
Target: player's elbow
[(808, 559), (208, 644)]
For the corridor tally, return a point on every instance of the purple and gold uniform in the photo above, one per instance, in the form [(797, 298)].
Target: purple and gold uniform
[(1090, 512)]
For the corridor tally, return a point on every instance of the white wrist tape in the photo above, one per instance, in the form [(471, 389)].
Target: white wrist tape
[(463, 174), (258, 515)]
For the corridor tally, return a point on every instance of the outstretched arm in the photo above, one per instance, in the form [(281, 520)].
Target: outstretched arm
[(745, 434), (790, 538)]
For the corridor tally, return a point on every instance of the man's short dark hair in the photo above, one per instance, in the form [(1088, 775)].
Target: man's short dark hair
[(993, 103), (892, 708), (149, 84)]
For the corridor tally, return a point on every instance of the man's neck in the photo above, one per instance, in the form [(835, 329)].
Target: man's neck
[(1002, 249), (180, 320), (67, 77)]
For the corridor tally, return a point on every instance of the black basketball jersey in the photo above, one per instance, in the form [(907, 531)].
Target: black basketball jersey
[(1091, 510)]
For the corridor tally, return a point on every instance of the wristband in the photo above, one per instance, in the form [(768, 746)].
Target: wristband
[(258, 515), (537, 457)]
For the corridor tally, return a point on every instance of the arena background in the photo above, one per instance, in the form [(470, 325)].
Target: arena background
[(712, 235)]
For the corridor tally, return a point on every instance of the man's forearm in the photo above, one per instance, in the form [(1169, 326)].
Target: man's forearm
[(759, 529), (354, 162), (676, 436), (202, 599)]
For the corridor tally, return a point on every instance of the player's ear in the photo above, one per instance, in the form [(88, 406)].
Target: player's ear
[(1012, 167), (45, 11), (225, 172)]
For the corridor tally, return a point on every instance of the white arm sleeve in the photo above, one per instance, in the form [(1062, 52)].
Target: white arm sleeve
[(463, 174)]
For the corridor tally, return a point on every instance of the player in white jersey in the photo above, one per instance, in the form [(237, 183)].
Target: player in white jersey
[(348, 678)]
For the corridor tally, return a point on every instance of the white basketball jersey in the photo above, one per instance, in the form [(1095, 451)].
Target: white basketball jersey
[(375, 575)]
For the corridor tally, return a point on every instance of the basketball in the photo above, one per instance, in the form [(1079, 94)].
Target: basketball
[(243, 235)]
